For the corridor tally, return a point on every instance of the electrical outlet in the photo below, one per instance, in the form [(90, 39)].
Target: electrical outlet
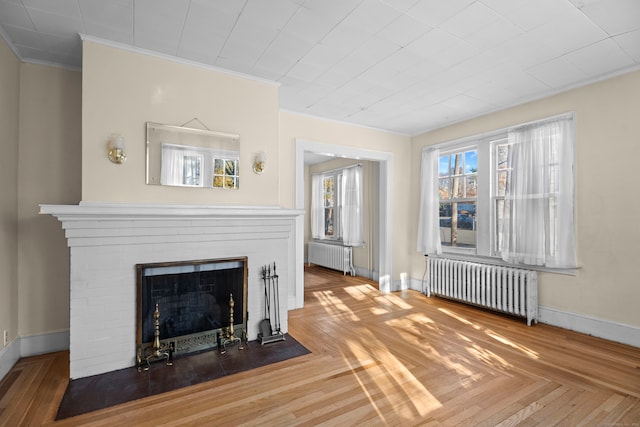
[(6, 337)]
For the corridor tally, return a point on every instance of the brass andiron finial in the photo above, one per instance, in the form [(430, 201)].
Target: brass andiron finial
[(157, 351), (230, 335)]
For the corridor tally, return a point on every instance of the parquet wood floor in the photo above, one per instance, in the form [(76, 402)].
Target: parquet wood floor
[(379, 359)]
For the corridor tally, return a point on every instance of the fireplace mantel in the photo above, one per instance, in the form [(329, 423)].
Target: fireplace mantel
[(107, 240)]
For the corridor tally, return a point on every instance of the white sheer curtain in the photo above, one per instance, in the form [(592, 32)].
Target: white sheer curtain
[(352, 227), (171, 169), (538, 226), (429, 219), (317, 207)]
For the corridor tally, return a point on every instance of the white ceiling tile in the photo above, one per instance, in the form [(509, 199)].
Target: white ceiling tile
[(310, 26), (470, 20), (335, 9), (371, 16), (374, 50), (108, 14), (600, 58), (49, 23), (615, 16), (158, 24), (68, 8), (403, 30), (557, 73), (435, 12), (115, 34), (23, 36), (344, 39), (15, 14), (401, 5), (273, 14), (499, 32), (630, 43), (569, 32), (529, 14)]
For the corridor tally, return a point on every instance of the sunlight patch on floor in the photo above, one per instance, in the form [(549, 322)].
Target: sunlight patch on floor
[(335, 306), (394, 379), (532, 354)]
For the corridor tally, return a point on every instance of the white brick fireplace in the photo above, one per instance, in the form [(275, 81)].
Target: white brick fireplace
[(107, 240)]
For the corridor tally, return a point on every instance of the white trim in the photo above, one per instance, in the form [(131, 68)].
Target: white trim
[(110, 43), (618, 332), (9, 355), (384, 231), (33, 345)]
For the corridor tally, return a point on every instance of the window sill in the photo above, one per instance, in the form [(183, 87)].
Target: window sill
[(497, 261)]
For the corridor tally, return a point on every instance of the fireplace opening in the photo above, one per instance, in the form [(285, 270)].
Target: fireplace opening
[(193, 302)]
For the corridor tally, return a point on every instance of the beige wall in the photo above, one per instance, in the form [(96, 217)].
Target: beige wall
[(123, 90), (49, 172), (294, 126), (608, 230), (9, 103)]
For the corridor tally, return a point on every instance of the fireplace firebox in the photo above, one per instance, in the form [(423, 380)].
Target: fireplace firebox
[(193, 303)]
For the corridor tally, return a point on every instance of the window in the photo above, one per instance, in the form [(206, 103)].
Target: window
[(458, 190), (331, 223), (508, 194), (336, 205)]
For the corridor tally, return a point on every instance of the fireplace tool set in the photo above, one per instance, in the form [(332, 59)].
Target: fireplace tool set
[(158, 351), (270, 333)]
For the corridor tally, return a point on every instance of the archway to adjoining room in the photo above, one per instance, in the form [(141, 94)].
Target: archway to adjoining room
[(383, 227)]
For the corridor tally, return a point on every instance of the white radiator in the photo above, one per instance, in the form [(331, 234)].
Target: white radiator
[(508, 290), (333, 256)]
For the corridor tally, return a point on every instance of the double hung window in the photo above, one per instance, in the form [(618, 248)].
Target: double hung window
[(336, 205), (508, 194)]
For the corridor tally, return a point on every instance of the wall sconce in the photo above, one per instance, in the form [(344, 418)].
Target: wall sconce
[(116, 150), (259, 163)]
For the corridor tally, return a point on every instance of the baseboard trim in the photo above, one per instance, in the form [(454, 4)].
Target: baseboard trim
[(612, 331), (33, 345), (9, 355)]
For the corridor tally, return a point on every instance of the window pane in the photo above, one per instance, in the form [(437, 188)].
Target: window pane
[(502, 156), (457, 187), (230, 167), (472, 186), (501, 189), (458, 230), (445, 189), (443, 168), (328, 222), (471, 162), (218, 167)]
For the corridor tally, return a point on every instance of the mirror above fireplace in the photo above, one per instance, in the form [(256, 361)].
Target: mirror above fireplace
[(188, 157)]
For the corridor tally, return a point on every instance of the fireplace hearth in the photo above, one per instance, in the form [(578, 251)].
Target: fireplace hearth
[(196, 301)]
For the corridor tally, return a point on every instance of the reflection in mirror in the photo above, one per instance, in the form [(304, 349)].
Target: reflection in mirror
[(188, 157)]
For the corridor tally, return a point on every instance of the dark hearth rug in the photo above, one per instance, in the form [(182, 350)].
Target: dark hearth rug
[(113, 388)]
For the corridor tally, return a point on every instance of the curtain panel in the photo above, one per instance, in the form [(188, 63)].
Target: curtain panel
[(429, 220), (538, 226)]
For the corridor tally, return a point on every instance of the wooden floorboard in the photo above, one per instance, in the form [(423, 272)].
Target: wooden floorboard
[(378, 359)]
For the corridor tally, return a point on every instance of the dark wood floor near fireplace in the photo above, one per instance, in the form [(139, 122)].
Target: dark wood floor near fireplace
[(378, 359)]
